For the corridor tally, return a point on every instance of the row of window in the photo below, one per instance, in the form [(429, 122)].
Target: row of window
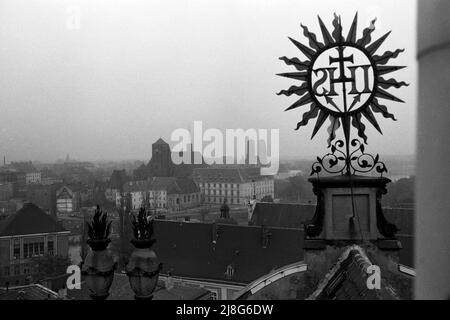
[(32, 249), (220, 192), (185, 199), (220, 185), (220, 200), (226, 185)]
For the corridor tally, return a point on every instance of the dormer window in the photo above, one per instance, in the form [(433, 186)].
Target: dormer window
[(229, 272)]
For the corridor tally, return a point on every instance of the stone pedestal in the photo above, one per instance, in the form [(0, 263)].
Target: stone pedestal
[(349, 210)]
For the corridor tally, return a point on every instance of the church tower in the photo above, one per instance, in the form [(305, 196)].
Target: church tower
[(160, 164)]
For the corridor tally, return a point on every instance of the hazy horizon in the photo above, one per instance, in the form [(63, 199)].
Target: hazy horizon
[(137, 70)]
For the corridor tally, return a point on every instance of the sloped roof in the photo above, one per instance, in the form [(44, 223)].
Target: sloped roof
[(171, 184), (271, 277), (29, 220), (284, 215), (228, 174), (347, 280), (188, 250), (63, 190), (160, 141), (164, 183), (186, 185)]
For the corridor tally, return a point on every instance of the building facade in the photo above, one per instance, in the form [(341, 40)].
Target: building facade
[(115, 185), (29, 173), (165, 193), (66, 200), (237, 184), (6, 191), (25, 236), (33, 177)]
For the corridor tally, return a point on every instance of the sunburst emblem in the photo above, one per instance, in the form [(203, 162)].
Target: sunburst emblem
[(343, 79), (342, 62)]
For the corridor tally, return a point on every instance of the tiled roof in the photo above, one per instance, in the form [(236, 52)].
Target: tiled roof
[(65, 190), (28, 292), (347, 280), (282, 215), (165, 183), (186, 185), (121, 290), (29, 220), (170, 184), (227, 174), (204, 251)]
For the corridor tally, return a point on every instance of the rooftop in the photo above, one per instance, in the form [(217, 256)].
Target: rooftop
[(282, 215), (205, 251), (28, 292), (228, 174), (171, 184), (347, 280), (29, 220)]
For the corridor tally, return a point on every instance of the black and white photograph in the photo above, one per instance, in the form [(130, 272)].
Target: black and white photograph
[(238, 152)]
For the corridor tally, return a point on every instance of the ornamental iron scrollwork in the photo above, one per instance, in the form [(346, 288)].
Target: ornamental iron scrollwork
[(358, 160)]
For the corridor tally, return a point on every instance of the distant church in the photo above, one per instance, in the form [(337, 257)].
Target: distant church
[(161, 165)]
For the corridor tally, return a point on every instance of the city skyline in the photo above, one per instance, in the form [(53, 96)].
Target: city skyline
[(130, 75)]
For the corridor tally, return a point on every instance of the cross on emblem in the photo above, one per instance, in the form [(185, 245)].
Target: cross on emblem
[(341, 59)]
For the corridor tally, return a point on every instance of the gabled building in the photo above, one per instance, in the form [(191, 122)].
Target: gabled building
[(70, 198), (29, 233), (115, 184), (239, 184), (162, 193), (66, 200)]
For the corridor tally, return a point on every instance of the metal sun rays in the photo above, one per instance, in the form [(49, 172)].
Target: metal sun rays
[(347, 114)]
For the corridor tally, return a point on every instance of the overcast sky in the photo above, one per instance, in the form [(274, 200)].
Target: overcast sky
[(137, 70)]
